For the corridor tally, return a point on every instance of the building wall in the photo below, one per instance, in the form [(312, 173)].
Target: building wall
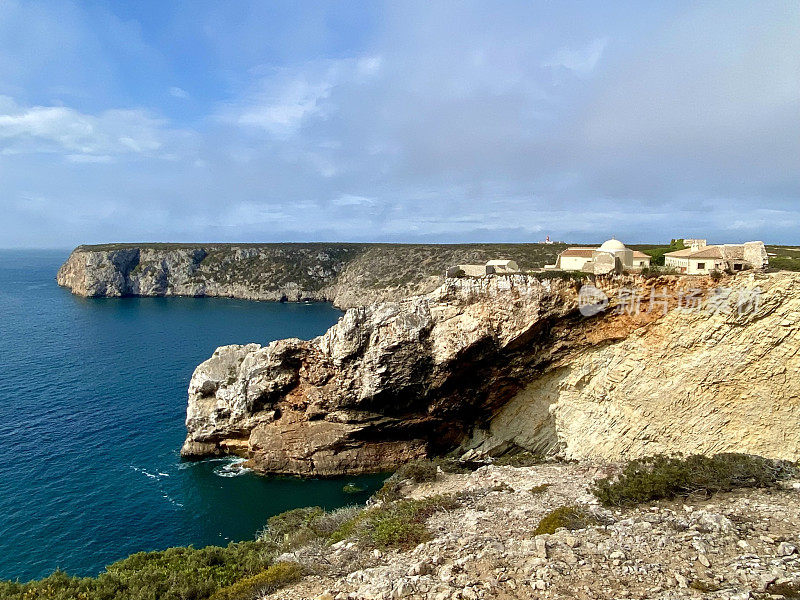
[(572, 263), (756, 255), (677, 263), (709, 264)]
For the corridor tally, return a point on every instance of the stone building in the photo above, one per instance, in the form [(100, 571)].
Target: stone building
[(701, 259), (492, 267), (611, 256)]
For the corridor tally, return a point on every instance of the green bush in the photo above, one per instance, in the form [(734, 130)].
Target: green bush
[(657, 477), (519, 459), (266, 582), (399, 524), (173, 574), (419, 470), (657, 253), (568, 517), (300, 526)]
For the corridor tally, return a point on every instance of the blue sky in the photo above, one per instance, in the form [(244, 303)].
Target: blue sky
[(400, 121)]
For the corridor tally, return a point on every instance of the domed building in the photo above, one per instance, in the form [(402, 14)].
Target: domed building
[(611, 256)]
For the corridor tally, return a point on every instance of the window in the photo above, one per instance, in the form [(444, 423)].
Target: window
[(701, 266), (737, 266)]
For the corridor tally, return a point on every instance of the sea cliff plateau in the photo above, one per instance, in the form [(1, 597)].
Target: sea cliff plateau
[(348, 275)]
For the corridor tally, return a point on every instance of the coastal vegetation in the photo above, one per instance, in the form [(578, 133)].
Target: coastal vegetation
[(666, 477), (785, 258), (566, 517), (173, 574)]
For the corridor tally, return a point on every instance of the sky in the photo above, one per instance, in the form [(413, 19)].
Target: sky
[(403, 121)]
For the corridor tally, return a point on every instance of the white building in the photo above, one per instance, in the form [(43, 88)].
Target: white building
[(492, 267), (500, 267), (612, 255), (701, 259)]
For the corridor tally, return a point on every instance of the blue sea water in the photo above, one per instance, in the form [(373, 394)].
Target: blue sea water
[(92, 407)]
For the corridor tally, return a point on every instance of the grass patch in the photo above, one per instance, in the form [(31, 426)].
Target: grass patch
[(399, 524), (266, 582), (666, 477), (567, 517), (539, 489)]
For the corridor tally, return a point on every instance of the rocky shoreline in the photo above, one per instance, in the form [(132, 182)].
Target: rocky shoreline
[(495, 364)]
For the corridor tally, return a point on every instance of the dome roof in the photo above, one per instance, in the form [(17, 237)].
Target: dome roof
[(612, 245)]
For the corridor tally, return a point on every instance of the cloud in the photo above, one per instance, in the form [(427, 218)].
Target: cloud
[(280, 102), (582, 61), (177, 92), (446, 121), (78, 136), (351, 200)]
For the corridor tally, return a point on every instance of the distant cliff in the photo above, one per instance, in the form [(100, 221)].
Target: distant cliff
[(346, 274), (502, 362)]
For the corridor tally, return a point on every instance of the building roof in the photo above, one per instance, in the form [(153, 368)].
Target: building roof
[(637, 254), (612, 245), (499, 263), (582, 252), (707, 252), (685, 253)]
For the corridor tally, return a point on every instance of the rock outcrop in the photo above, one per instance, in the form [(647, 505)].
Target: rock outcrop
[(348, 275), (387, 383), (502, 362), (737, 546)]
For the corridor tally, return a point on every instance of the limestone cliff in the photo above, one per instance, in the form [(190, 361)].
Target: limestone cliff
[(691, 381), (347, 274), (492, 363)]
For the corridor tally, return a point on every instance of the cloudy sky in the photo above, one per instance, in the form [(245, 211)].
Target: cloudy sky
[(398, 121)]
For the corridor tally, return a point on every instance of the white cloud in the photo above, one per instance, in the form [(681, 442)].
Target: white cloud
[(582, 61), (352, 200), (283, 101), (177, 92), (78, 136)]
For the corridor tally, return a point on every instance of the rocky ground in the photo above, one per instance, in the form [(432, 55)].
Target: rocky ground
[(734, 546)]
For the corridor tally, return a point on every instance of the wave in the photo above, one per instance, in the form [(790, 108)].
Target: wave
[(232, 468)]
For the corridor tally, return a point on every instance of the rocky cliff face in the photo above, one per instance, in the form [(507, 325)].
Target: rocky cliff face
[(349, 275), (389, 382), (275, 272), (504, 362), (691, 382)]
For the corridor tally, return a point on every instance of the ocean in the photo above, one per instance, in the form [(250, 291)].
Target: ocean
[(92, 408)]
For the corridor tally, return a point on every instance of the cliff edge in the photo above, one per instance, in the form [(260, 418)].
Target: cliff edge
[(497, 363)]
